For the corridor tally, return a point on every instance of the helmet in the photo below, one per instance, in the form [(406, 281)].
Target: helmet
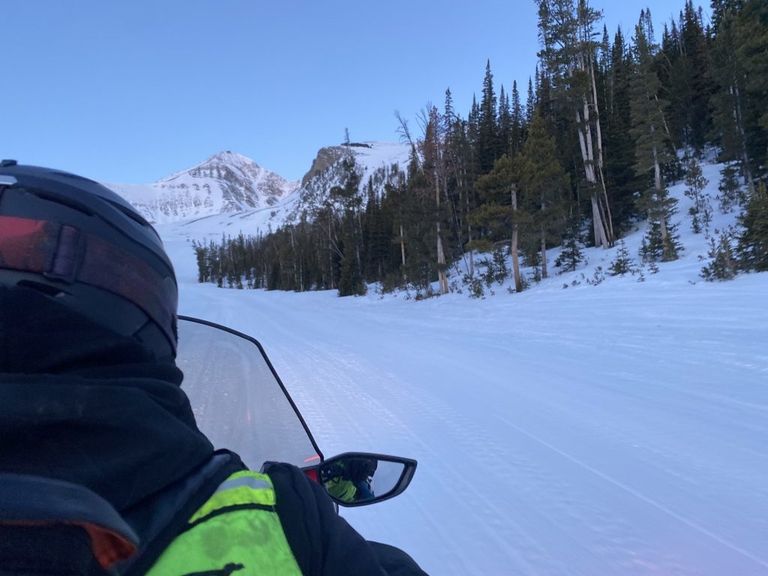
[(83, 246)]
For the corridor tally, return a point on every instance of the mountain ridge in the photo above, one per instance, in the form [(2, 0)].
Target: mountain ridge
[(233, 189), (226, 182)]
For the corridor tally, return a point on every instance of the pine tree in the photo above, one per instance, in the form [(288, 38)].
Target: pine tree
[(530, 103), (487, 142), (500, 216), (740, 70), (415, 229), (433, 152), (543, 182), (473, 135), (728, 101), (340, 219), (602, 77), (504, 124), (518, 120), (568, 53), (604, 59), (202, 259), (753, 241), (620, 156), (723, 264), (661, 244), (700, 85), (701, 210), (731, 192), (751, 29), (623, 263), (669, 66), (571, 254), (721, 10), (652, 147), (378, 244), (458, 180), (449, 114), (350, 275)]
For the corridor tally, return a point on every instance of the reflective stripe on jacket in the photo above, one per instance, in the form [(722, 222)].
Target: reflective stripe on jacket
[(237, 531)]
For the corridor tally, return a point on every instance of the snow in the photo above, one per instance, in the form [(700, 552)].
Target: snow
[(595, 430), (226, 184), (228, 158), (381, 154), (249, 222)]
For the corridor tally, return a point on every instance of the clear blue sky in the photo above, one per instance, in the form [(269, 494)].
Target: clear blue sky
[(131, 91)]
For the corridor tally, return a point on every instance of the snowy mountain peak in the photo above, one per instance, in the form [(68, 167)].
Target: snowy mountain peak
[(231, 192), (227, 156), (227, 182), (225, 160)]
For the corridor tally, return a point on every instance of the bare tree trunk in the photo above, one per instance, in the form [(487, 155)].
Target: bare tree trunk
[(402, 250), (471, 260), (543, 252), (737, 113), (589, 172), (597, 221), (296, 271), (405, 133), (469, 233), (606, 215), (657, 182), (601, 214), (513, 244), (441, 275), (664, 234), (656, 168), (330, 253), (598, 130)]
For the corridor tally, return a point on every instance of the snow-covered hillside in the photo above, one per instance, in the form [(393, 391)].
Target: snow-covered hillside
[(226, 183), (618, 428), (375, 164), (230, 194), (687, 268)]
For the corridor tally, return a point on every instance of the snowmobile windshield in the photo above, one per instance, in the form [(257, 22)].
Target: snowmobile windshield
[(238, 399)]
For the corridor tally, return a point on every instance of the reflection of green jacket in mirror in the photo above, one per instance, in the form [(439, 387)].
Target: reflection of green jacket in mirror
[(349, 480), (341, 489)]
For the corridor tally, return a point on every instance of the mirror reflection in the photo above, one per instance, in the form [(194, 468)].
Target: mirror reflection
[(360, 479)]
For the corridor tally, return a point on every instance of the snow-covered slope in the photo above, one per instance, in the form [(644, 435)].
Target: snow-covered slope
[(230, 194), (226, 183), (374, 163), (619, 428)]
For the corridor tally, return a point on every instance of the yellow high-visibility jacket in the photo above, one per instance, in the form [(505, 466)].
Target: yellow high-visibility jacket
[(237, 531)]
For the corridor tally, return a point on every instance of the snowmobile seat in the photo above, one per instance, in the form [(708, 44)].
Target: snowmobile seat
[(54, 527)]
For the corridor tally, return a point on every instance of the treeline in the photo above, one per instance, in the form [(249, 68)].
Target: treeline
[(607, 123)]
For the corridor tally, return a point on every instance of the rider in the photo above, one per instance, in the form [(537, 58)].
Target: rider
[(91, 410), (361, 471), (350, 480)]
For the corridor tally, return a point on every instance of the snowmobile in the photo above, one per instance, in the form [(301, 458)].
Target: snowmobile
[(241, 404)]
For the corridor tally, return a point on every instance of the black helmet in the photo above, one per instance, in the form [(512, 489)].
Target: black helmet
[(83, 246)]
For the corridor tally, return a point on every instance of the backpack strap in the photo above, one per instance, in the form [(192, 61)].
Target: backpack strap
[(51, 526), (161, 518), (236, 530)]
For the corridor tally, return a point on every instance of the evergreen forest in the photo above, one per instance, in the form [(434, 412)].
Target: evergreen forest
[(575, 158)]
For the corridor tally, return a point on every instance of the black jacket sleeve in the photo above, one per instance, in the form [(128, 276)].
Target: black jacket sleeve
[(323, 543), (394, 561)]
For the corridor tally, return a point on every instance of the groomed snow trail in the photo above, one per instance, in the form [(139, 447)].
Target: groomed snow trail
[(604, 430)]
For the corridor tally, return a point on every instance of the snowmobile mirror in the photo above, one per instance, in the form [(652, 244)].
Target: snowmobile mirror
[(360, 478)]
